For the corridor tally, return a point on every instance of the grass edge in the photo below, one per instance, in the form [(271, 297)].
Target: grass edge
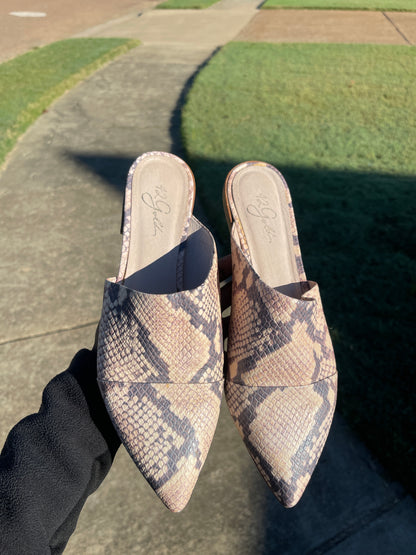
[(33, 110)]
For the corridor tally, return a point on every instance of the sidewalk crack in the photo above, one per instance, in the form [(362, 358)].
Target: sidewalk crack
[(357, 526), (47, 333)]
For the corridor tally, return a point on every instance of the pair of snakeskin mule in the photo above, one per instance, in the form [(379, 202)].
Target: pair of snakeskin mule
[(160, 344)]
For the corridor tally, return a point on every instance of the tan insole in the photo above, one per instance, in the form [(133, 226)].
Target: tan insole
[(159, 214), (259, 197)]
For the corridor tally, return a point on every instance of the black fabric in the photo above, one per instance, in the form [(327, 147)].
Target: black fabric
[(53, 460)]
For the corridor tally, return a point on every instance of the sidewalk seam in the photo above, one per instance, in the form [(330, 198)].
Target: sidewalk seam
[(359, 525), (397, 29), (48, 333)]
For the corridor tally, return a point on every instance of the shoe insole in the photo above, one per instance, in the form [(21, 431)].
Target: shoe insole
[(161, 205), (261, 205)]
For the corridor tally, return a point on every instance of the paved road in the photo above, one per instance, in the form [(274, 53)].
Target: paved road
[(63, 19)]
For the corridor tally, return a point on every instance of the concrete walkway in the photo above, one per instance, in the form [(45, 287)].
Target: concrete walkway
[(61, 195)]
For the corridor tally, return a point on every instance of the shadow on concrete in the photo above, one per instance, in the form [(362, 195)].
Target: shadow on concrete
[(111, 169)]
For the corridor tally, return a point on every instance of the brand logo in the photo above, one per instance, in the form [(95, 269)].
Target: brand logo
[(158, 204), (261, 209)]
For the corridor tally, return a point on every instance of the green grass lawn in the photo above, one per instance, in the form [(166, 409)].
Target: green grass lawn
[(186, 4), (29, 83), (390, 5), (340, 122)]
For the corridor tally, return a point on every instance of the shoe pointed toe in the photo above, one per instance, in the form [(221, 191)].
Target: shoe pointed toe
[(284, 430), (167, 429)]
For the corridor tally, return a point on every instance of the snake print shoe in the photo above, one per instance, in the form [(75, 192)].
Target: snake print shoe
[(281, 380), (160, 356)]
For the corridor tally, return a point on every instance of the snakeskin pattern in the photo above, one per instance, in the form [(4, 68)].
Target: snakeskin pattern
[(284, 430), (267, 328), (173, 338), (281, 380), (160, 362)]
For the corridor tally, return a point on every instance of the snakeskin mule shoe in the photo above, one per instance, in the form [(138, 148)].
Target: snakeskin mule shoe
[(160, 354), (281, 380)]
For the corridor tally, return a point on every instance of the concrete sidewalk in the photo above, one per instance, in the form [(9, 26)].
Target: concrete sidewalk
[(61, 196), (217, 25)]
